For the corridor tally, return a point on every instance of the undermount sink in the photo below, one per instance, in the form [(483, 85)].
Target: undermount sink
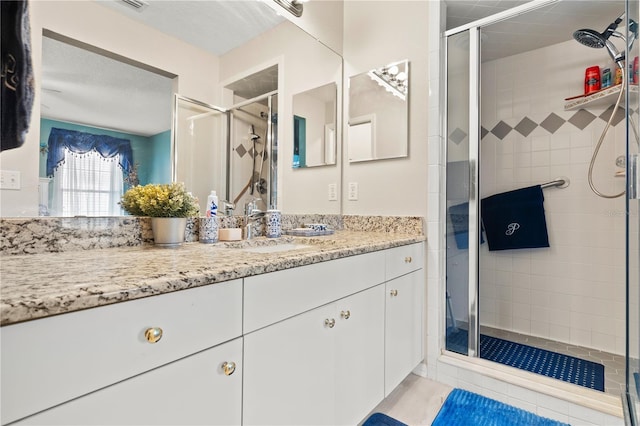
[(275, 248)]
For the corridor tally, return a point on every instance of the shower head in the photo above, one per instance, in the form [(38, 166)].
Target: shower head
[(590, 38), (594, 39)]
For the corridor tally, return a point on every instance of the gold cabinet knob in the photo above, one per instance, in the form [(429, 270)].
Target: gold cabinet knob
[(330, 322), (345, 314), (228, 368), (153, 334), (408, 259), (394, 292)]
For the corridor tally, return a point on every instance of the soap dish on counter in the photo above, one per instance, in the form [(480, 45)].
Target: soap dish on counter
[(308, 232)]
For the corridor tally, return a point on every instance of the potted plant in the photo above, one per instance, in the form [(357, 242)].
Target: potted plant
[(168, 206)]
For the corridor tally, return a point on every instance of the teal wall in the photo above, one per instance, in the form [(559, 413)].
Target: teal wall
[(160, 164), (151, 154)]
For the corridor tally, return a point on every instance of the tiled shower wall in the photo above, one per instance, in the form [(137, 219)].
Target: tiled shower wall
[(573, 291)]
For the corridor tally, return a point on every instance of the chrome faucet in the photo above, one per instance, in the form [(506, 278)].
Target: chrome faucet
[(228, 207), (251, 216)]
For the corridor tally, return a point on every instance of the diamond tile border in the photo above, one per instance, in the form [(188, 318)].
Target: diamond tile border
[(552, 123)]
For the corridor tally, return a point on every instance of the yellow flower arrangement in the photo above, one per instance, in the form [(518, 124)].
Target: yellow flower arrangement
[(160, 200)]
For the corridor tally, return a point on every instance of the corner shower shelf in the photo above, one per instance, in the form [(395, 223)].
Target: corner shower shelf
[(603, 97)]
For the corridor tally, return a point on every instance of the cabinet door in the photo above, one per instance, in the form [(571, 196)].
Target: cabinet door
[(359, 367), (403, 327), (288, 371), (193, 390)]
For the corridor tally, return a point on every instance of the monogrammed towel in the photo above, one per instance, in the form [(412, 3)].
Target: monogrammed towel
[(515, 219)]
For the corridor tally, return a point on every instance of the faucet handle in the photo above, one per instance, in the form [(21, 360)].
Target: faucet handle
[(251, 206), (228, 207)]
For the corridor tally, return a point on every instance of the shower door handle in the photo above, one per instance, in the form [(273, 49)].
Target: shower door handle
[(633, 192)]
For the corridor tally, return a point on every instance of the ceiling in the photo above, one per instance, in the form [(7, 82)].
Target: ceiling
[(542, 27)]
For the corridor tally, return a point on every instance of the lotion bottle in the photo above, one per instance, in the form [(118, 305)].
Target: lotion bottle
[(212, 204)]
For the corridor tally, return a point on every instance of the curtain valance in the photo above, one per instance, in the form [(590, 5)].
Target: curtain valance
[(81, 143)]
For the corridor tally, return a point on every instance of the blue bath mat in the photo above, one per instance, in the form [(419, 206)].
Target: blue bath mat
[(379, 419), (551, 364), (466, 408)]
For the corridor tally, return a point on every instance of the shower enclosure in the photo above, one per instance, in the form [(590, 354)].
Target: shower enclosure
[(517, 119), (253, 152)]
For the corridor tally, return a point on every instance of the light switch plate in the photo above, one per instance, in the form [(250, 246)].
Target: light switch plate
[(353, 191), (9, 179), (333, 192)]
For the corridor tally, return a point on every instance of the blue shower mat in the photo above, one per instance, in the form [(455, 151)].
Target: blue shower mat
[(551, 364), (379, 419), (467, 408)]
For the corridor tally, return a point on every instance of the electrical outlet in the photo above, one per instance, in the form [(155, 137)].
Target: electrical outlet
[(333, 192), (9, 179), (353, 191)]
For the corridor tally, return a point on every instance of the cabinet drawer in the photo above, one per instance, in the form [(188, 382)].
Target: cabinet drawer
[(52, 360), (272, 297), (192, 391), (404, 259)]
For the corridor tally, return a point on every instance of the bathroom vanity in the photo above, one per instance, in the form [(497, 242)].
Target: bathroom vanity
[(319, 331)]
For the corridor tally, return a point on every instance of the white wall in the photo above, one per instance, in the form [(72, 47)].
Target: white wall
[(303, 64), (377, 33), (573, 291), (101, 27), (320, 18)]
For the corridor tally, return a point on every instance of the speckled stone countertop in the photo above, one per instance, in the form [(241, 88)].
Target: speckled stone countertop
[(41, 285)]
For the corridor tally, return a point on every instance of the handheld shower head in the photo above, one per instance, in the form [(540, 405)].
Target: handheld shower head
[(589, 38), (596, 40)]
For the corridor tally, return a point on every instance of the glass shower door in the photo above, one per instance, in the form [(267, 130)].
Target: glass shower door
[(460, 247)]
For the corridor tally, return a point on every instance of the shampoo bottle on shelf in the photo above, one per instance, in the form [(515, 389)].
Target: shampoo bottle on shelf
[(212, 204)]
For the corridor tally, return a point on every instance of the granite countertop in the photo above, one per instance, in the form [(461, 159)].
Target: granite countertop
[(40, 285)]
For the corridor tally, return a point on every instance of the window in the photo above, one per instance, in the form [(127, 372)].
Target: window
[(87, 185)]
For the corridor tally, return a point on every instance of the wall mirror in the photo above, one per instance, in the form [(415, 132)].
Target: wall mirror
[(379, 113), (314, 126), (83, 111), (248, 45)]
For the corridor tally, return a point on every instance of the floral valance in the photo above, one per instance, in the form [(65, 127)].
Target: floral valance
[(81, 143)]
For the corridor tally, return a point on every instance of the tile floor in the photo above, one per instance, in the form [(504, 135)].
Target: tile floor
[(614, 365), (416, 401)]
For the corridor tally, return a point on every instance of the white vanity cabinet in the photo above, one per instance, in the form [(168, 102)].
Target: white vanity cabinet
[(323, 366), (403, 328), (201, 389), (316, 344), (324, 345), (404, 319), (54, 360)]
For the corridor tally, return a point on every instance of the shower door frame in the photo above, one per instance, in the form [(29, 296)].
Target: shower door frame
[(474, 30)]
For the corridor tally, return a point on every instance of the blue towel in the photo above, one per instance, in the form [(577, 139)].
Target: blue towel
[(459, 215), (515, 219)]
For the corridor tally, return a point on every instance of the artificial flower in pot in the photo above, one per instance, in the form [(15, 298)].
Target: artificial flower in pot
[(168, 206)]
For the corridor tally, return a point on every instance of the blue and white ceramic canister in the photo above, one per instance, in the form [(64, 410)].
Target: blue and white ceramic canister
[(209, 229), (274, 223)]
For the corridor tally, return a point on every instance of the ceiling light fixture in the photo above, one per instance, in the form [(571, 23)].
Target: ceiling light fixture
[(138, 5), (292, 6)]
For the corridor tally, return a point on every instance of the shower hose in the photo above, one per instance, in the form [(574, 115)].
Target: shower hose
[(601, 140)]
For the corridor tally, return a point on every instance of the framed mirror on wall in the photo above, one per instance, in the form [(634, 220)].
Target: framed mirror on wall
[(314, 127), (379, 113)]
